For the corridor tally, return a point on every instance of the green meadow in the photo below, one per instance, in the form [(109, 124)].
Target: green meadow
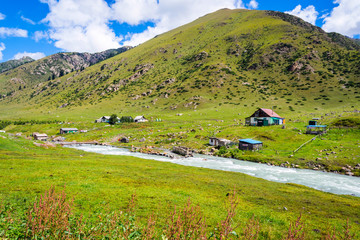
[(98, 183)]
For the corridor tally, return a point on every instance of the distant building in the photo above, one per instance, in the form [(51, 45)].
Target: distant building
[(105, 119), (264, 117), (40, 136), (68, 130), (140, 119), (249, 144), (213, 141), (316, 129)]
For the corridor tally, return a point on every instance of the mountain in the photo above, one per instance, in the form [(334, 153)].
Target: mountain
[(11, 64), (33, 72), (230, 58)]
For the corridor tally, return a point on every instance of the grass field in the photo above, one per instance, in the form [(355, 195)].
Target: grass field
[(99, 183)]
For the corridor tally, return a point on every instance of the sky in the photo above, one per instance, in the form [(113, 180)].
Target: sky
[(38, 28)]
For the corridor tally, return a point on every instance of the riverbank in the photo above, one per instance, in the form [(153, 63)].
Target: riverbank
[(329, 182)]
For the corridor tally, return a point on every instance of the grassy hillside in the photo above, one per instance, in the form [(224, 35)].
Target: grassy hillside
[(232, 58)]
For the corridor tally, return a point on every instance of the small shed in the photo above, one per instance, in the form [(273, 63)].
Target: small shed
[(316, 129), (213, 141), (140, 119), (40, 136), (68, 130), (249, 144), (103, 119)]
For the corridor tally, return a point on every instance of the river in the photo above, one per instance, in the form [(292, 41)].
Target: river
[(323, 181)]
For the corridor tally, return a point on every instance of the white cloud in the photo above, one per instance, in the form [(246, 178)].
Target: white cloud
[(83, 25), (2, 48), (308, 14), (28, 20), (13, 32), (2, 16), (38, 35), (344, 19), (36, 55), (253, 4), (165, 14)]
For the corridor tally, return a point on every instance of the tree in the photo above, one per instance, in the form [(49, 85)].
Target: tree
[(113, 119)]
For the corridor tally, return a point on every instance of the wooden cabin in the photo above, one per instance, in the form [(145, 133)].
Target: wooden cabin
[(139, 119), (249, 144), (264, 117), (40, 136), (68, 130), (213, 141)]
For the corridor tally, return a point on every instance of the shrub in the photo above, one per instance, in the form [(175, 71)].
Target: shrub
[(49, 216)]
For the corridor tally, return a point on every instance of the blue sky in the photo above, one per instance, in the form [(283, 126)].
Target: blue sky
[(39, 28)]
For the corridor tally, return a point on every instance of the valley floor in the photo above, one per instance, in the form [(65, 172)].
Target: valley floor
[(100, 183)]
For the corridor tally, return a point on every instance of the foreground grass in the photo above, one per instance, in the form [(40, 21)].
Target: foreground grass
[(101, 183)]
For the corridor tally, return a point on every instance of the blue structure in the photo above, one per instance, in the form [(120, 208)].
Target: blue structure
[(316, 129), (249, 144)]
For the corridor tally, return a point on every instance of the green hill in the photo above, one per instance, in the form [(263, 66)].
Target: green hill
[(228, 58)]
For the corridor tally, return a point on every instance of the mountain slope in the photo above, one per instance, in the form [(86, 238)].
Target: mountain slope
[(11, 64), (228, 58), (49, 68)]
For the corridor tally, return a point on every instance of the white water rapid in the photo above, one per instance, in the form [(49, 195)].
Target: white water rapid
[(324, 181)]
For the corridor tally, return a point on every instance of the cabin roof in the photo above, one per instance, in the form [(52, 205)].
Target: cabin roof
[(139, 117), (250, 141), (40, 134), (316, 126), (69, 129), (270, 112)]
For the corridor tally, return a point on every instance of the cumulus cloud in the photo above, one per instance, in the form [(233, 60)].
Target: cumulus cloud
[(2, 48), (81, 25), (308, 14), (2, 16), (36, 55), (344, 18), (253, 4), (165, 14), (13, 32), (84, 25)]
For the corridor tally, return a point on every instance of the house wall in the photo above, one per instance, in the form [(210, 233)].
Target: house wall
[(248, 146), (253, 120)]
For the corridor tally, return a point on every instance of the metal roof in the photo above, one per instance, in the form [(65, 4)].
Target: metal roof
[(316, 126), (69, 129), (270, 112), (251, 141)]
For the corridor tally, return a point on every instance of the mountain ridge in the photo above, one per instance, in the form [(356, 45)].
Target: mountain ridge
[(229, 57), (33, 72)]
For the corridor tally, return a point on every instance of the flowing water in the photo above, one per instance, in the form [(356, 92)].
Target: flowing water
[(327, 182)]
